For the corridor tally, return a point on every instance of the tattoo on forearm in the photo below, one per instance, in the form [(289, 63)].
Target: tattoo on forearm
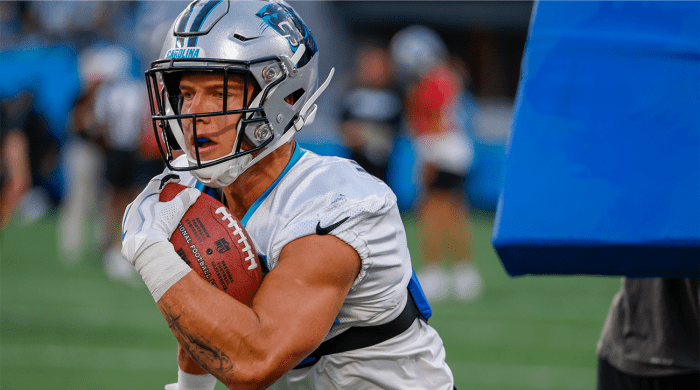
[(172, 321), (206, 355)]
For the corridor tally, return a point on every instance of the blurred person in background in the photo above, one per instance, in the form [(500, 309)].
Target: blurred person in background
[(15, 172), (372, 109), (29, 156), (83, 161), (15, 167), (651, 337), (35, 104), (433, 87), (122, 108), (110, 121)]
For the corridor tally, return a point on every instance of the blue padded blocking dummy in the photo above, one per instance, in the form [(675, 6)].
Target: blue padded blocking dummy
[(603, 161)]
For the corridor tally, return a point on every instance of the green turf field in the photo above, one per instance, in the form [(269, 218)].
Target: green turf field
[(72, 328)]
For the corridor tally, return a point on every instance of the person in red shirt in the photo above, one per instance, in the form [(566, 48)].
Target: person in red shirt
[(446, 154)]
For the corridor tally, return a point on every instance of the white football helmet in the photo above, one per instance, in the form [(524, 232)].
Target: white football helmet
[(265, 42), (415, 49)]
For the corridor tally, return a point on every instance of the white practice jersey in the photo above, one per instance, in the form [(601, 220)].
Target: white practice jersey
[(317, 192)]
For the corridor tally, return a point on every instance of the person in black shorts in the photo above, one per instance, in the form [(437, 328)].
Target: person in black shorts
[(446, 153)]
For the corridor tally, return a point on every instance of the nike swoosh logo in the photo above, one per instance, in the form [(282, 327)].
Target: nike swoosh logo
[(322, 231)]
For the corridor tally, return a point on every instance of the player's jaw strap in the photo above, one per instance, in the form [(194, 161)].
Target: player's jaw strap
[(365, 336)]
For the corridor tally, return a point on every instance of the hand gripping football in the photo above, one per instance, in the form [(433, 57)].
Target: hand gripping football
[(216, 246)]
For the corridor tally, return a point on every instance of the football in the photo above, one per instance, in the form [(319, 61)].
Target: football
[(216, 246)]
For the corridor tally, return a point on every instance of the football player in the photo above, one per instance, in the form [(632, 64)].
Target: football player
[(339, 306), (433, 87)]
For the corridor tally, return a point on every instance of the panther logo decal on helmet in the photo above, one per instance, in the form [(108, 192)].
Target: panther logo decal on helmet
[(285, 21)]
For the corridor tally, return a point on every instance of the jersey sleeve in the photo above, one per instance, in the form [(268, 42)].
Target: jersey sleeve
[(348, 204)]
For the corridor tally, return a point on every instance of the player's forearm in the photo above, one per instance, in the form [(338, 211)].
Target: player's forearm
[(220, 334), (186, 364)]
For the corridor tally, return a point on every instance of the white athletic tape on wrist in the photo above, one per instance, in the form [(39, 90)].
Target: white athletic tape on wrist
[(160, 267), (187, 381)]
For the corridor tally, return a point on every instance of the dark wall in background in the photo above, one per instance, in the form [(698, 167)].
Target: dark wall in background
[(488, 35)]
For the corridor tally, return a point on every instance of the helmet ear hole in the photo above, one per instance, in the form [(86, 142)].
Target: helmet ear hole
[(294, 96)]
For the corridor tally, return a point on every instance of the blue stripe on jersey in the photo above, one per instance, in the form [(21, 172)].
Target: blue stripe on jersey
[(263, 262), (307, 361), (298, 152), (208, 190), (419, 296), (199, 20)]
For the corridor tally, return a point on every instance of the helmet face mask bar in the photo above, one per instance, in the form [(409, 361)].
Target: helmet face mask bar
[(166, 108), (264, 44)]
